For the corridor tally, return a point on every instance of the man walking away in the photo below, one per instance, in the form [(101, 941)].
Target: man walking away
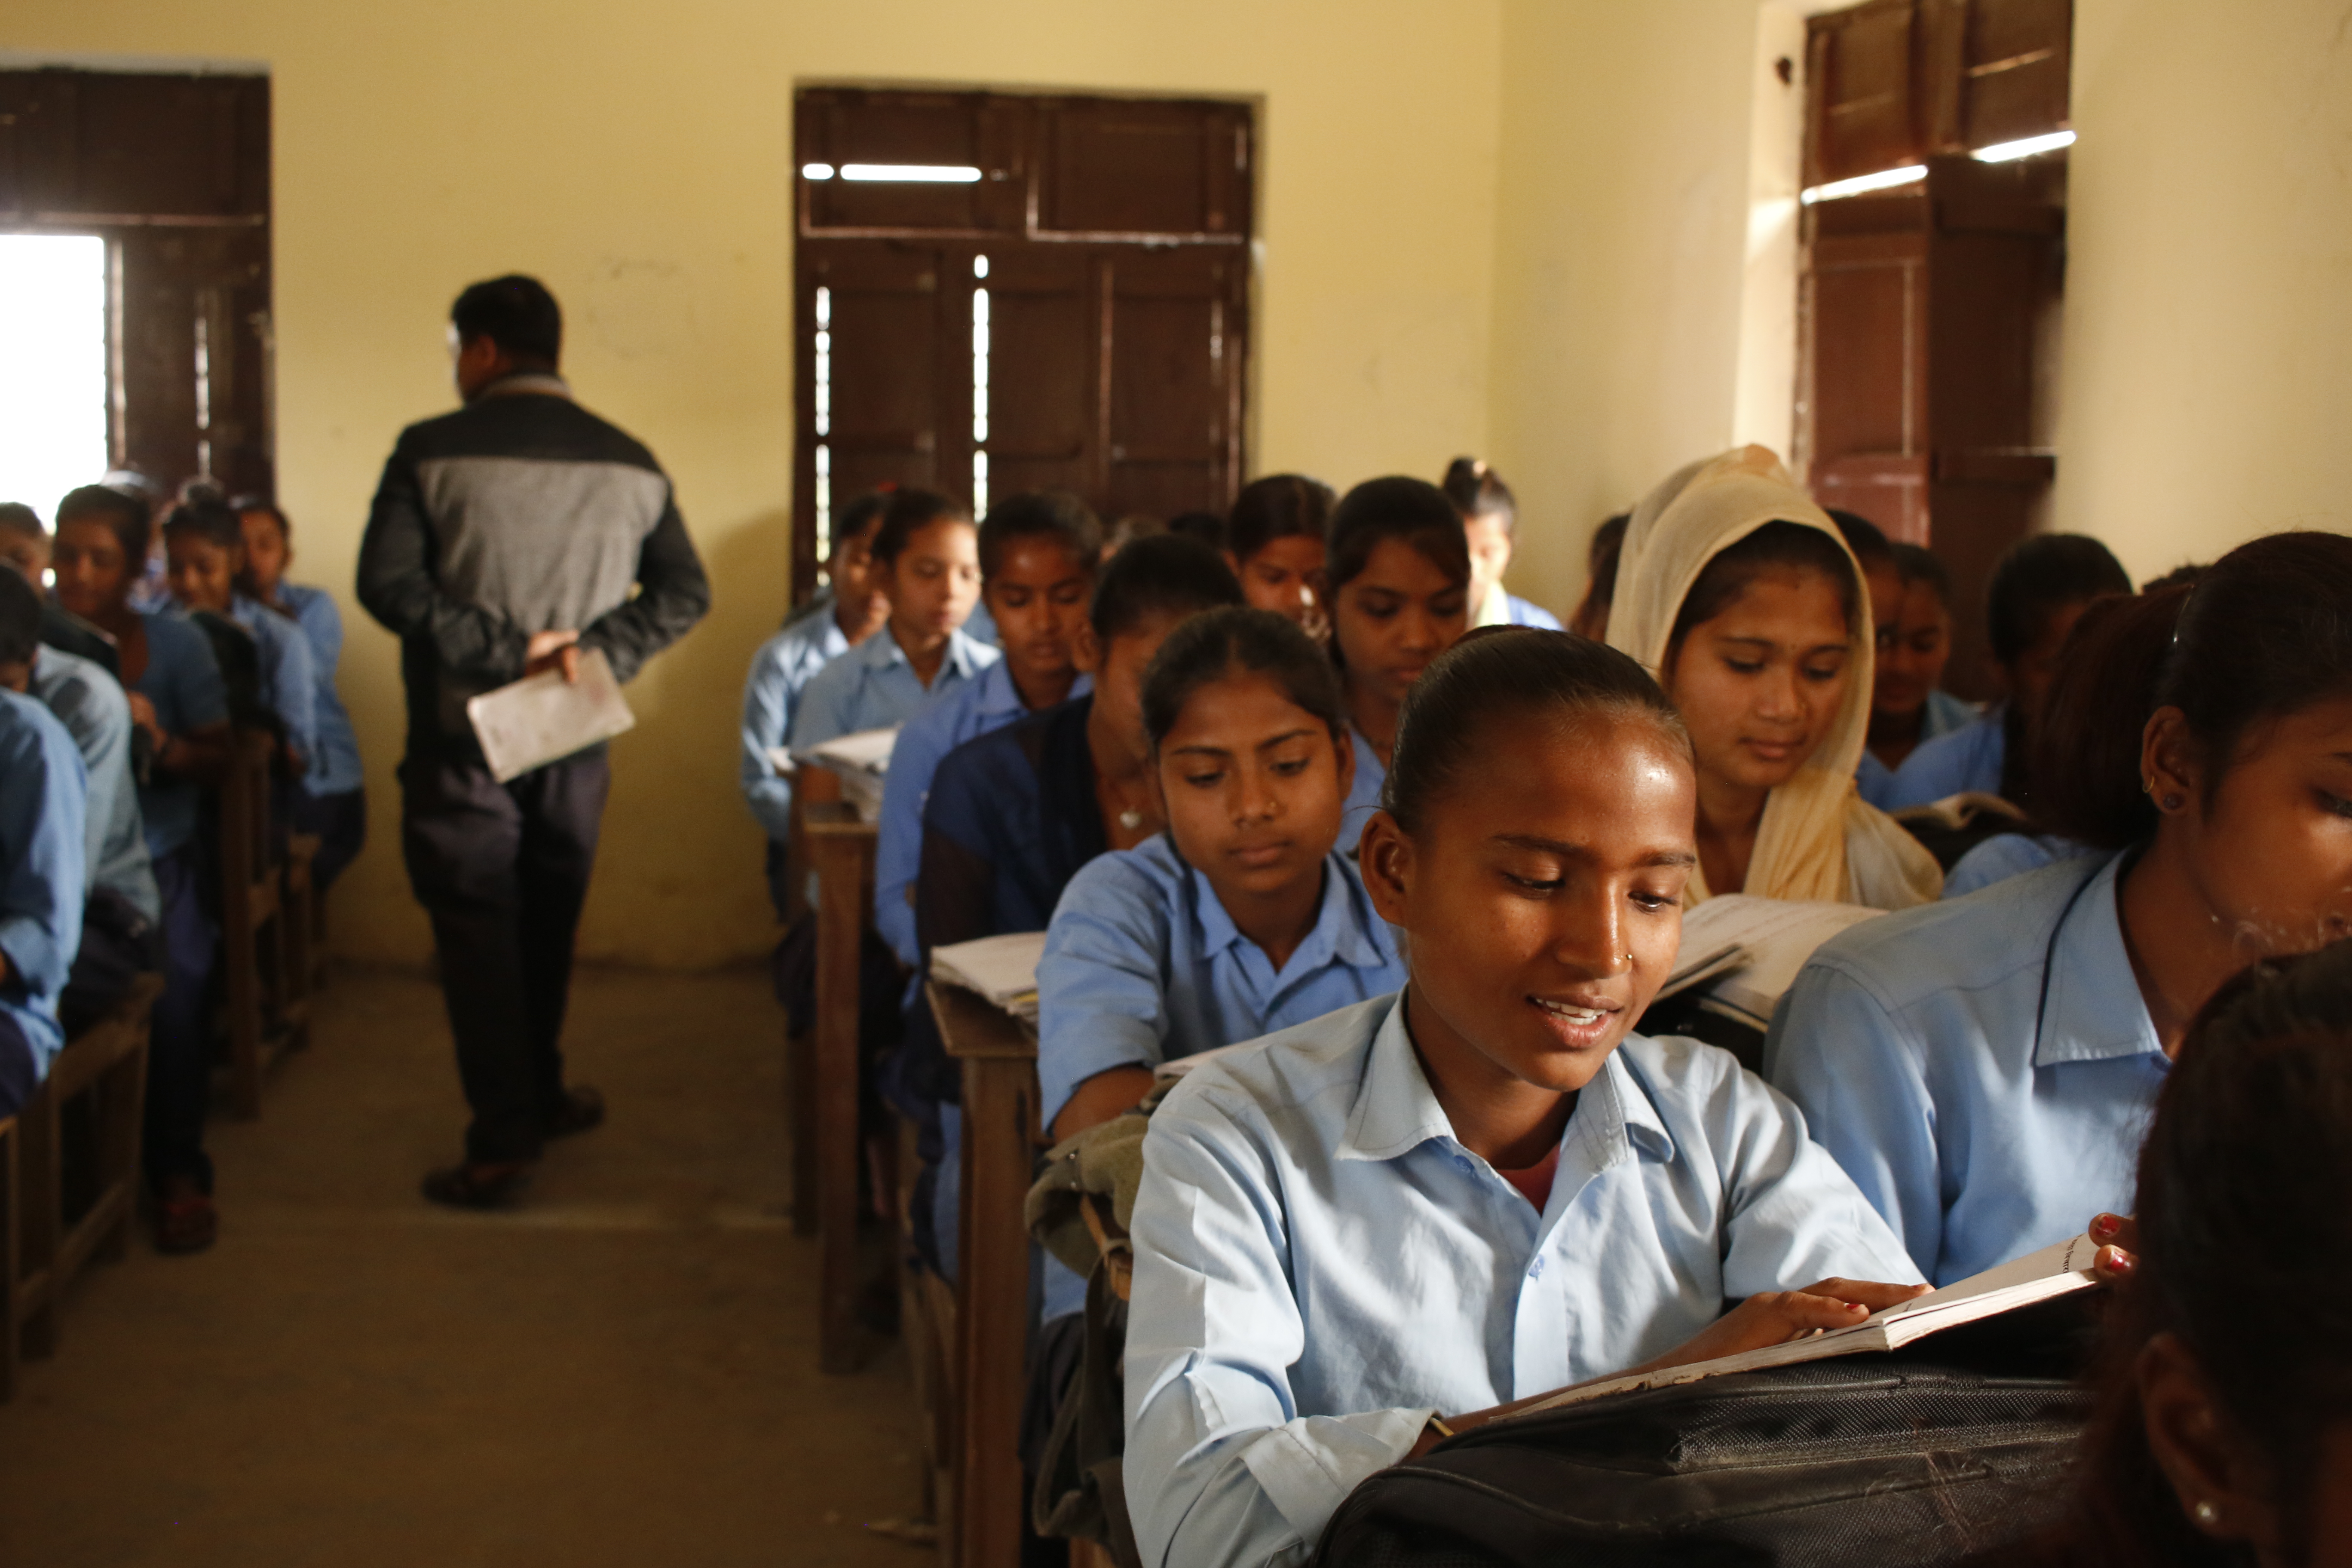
[(505, 539)]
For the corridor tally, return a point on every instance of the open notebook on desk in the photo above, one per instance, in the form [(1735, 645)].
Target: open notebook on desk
[(861, 760), (1004, 969), (1745, 952), (2037, 1276)]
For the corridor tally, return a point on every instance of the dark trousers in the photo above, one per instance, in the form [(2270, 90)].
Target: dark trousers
[(19, 1074), (502, 869), (340, 821), (180, 1041)]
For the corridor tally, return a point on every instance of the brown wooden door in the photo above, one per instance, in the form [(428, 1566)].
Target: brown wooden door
[(1068, 310)]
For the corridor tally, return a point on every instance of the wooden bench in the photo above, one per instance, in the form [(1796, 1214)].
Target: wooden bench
[(264, 1016), (825, 1070), (107, 1062), (989, 1373)]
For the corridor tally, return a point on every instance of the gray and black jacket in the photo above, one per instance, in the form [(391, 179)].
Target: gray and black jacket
[(521, 513)]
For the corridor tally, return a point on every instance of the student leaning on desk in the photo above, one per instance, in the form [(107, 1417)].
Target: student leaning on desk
[(1487, 1187)]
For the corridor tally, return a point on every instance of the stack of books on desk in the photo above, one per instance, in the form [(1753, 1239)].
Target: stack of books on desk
[(861, 761), (1004, 969)]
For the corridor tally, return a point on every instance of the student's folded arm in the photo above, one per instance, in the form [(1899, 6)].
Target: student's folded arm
[(672, 592), (766, 715), (1101, 996), (1220, 1467), (294, 692), (396, 585), (1857, 1074)]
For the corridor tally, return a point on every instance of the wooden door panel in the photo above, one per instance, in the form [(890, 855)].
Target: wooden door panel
[(884, 340), (1138, 167), (1869, 372), (843, 127), (1044, 321), (1862, 79)]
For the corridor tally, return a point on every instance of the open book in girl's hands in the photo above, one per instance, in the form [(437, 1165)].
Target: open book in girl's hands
[(2037, 1276)]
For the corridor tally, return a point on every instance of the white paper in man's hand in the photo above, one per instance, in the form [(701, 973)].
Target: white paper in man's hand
[(542, 718)]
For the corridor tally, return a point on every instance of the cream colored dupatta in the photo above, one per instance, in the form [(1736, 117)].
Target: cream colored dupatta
[(1819, 839)]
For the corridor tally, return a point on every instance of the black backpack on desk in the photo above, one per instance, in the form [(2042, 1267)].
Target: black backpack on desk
[(1924, 1456)]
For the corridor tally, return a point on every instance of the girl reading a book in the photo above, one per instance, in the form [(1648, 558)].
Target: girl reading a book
[(1984, 1069), (1741, 595), (1243, 918), (1487, 1187)]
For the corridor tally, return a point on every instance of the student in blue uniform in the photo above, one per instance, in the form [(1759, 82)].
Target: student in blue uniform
[(851, 609), (926, 564), (1014, 813), (43, 872), (120, 914), (1908, 706), (203, 552), (1243, 918), (1984, 1067), (1037, 555), (2039, 590), (177, 699), (1274, 543), (333, 803), (1399, 581), (1352, 1232), (1490, 522)]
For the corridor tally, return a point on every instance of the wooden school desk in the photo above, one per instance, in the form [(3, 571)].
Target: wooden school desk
[(825, 1100), (1002, 1140)]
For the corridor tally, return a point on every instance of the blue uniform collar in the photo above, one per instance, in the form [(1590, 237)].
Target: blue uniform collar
[(1341, 934), (1396, 1111), (2093, 1010), (882, 650)]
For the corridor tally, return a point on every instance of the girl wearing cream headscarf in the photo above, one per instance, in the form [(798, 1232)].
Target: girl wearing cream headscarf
[(1739, 594)]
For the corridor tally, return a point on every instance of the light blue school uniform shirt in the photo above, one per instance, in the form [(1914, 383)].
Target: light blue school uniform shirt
[(1321, 1265), (1526, 612), (781, 672), (1143, 964), (335, 763), (1363, 792), (2007, 855), (183, 681), (989, 703), (1943, 714), (289, 673), (1969, 758), (1984, 1069), (873, 686), (980, 626), (44, 870), (90, 704)]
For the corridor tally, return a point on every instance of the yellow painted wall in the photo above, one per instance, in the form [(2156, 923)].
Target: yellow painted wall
[(2206, 390), (1620, 239), (638, 158)]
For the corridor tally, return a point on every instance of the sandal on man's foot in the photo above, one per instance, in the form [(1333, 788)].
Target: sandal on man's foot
[(582, 1107), (185, 1220), (471, 1186)]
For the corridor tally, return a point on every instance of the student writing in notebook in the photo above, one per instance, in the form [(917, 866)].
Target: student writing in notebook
[(1984, 1069), (849, 610), (1741, 595), (926, 564), (1015, 813), (176, 697), (1487, 1187), (1037, 559), (1274, 541), (1400, 585)]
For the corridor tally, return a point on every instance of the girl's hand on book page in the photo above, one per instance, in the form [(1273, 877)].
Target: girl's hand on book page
[(2118, 1255), (1776, 1317)]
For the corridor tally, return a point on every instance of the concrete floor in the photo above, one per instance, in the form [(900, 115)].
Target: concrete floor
[(621, 1372)]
